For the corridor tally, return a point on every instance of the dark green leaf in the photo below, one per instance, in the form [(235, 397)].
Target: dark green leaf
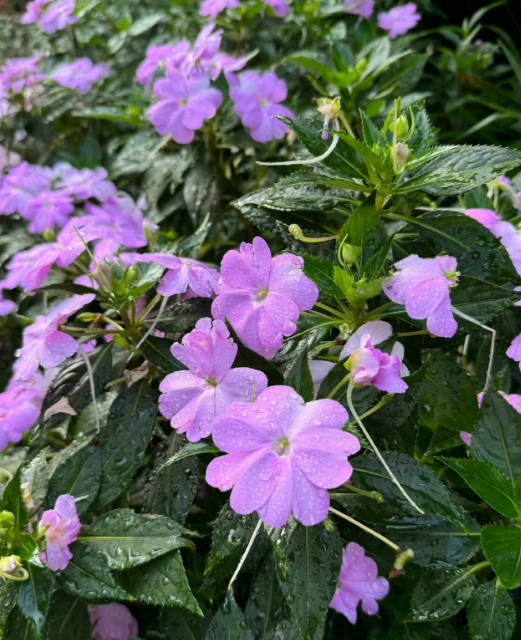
[(300, 379), (442, 594), (310, 331), (161, 582), (480, 300), (248, 358), (157, 352), (192, 449), (201, 191), (124, 440), (126, 539), (68, 287), (489, 483), (231, 534), (308, 565), (68, 619), (322, 272), (18, 627), (229, 623), (491, 613), (88, 576), (497, 436), (8, 595), (79, 476), (13, 501), (34, 597), (184, 315), (372, 135), (502, 548), (264, 610), (183, 625)]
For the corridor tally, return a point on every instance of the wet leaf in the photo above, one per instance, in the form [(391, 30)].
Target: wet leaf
[(442, 594), (34, 597), (491, 613), (299, 378), (157, 352), (68, 619), (265, 608), (229, 622), (13, 501), (183, 625), (502, 548), (231, 534)]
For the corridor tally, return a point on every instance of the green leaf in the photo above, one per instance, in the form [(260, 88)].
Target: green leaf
[(502, 548), (263, 611), (322, 272), (68, 619), (462, 170), (18, 627), (13, 501), (447, 395), (491, 614), (308, 565), (68, 287), (248, 358), (8, 595), (126, 539), (157, 352), (183, 625), (192, 449), (497, 436), (479, 253), (489, 483), (229, 622), (310, 332), (88, 576), (480, 300), (372, 134), (365, 229), (184, 315), (300, 379), (231, 534), (79, 476), (442, 594), (427, 491), (161, 582), (124, 440), (34, 597)]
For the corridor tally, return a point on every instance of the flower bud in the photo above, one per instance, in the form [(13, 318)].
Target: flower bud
[(7, 521), (87, 317), (350, 253), (121, 342), (296, 231), (361, 65), (330, 525), (401, 154), (10, 564), (49, 235), (133, 273), (400, 126)]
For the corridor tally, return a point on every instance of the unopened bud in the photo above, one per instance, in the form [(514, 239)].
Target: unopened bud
[(133, 274), (7, 521), (49, 235), (401, 154), (361, 65), (296, 231), (330, 525), (350, 253), (121, 342), (10, 564), (400, 126), (87, 317)]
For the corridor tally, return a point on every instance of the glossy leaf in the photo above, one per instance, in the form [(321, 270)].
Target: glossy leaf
[(182, 625), (183, 316), (13, 501), (231, 534), (442, 594), (68, 618), (229, 622), (34, 597), (157, 352), (502, 548), (322, 272), (491, 613), (265, 609), (300, 379)]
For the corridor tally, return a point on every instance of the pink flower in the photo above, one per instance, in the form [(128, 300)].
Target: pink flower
[(18, 413), (48, 210), (184, 105), (23, 183), (83, 184), (358, 581), (262, 296), (466, 437), (193, 398), (514, 350), (44, 343), (280, 7), (423, 285), (399, 20), (257, 101), (371, 366), (18, 74), (113, 622), (157, 56), (61, 526), (80, 74), (184, 275), (213, 8), (513, 399), (362, 8), (283, 456), (6, 306), (52, 15)]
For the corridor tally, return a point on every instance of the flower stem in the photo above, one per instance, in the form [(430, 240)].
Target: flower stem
[(92, 386), (374, 495), (330, 310), (380, 537), (387, 398), (320, 158), (492, 342), (152, 327), (245, 554), (377, 452), (339, 386)]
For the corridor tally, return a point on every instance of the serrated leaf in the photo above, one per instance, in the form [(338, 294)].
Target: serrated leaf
[(34, 597), (157, 352), (231, 534), (248, 358), (124, 440), (299, 378), (229, 622), (322, 272), (88, 576), (13, 501), (491, 613), (161, 582), (442, 594), (489, 483), (502, 548), (126, 539), (68, 619), (308, 565), (192, 449)]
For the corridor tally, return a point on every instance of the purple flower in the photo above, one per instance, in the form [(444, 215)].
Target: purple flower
[(513, 399), (256, 100), (52, 15), (44, 343), (358, 581), (80, 74), (18, 74), (157, 56), (61, 527), (8, 159), (399, 20), (193, 398), (83, 184), (283, 456), (262, 296), (362, 8), (21, 185), (213, 8), (184, 275), (423, 285), (113, 622), (514, 350), (205, 56), (18, 413), (280, 7), (184, 105), (48, 210), (6, 306)]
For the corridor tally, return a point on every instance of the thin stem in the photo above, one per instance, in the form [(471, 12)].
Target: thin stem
[(339, 386), (154, 324), (374, 495), (92, 386), (111, 321), (423, 332), (329, 309), (148, 308), (378, 311), (245, 554), (380, 537), (387, 398), (492, 342), (325, 155), (377, 452)]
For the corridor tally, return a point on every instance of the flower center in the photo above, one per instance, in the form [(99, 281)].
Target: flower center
[(452, 277), (281, 447), (263, 102), (263, 293), (183, 102), (211, 382)]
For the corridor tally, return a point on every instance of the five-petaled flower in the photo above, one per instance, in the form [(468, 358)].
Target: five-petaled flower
[(399, 20), (283, 456), (60, 527)]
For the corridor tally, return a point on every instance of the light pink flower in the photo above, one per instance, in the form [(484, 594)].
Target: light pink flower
[(44, 343), (319, 370), (423, 285), (61, 526), (18, 413), (399, 20), (362, 8), (193, 398), (280, 7), (262, 296), (48, 210), (113, 622), (283, 456), (213, 8), (359, 582), (371, 366)]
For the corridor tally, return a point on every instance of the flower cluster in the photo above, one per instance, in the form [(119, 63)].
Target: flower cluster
[(213, 8), (80, 74), (51, 15)]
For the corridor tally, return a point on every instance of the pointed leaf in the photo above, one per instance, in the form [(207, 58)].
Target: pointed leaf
[(300, 379), (34, 597), (502, 548), (157, 352), (229, 623), (491, 613), (68, 619), (441, 595)]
